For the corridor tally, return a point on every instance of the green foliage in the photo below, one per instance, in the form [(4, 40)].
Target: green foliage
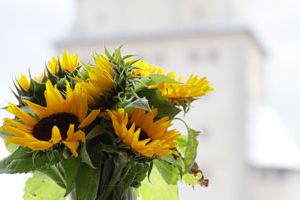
[(41, 187), (85, 157), (191, 149), (168, 171), (153, 79), (69, 168), (182, 141), (24, 160), (96, 131), (156, 188), (141, 103), (118, 173), (155, 99), (10, 147), (55, 174), (173, 169), (87, 182)]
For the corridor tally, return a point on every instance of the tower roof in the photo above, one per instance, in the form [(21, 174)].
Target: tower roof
[(271, 145)]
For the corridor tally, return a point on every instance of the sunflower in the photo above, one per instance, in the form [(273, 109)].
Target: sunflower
[(194, 87), (144, 135), (60, 122), (100, 79), (23, 82), (67, 62), (145, 69)]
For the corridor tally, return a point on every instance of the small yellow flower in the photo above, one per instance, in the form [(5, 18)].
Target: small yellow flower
[(144, 135), (67, 62), (145, 69), (194, 87), (60, 122), (23, 82), (100, 79)]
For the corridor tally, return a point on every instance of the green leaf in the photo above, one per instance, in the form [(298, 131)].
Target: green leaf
[(119, 163), (54, 173), (169, 172), (87, 182), (192, 180), (70, 168), (96, 131), (139, 103), (176, 162), (182, 142), (41, 187), (129, 175), (155, 99), (23, 161), (85, 157), (108, 148), (153, 79), (141, 170), (191, 149), (157, 188), (10, 147), (160, 78)]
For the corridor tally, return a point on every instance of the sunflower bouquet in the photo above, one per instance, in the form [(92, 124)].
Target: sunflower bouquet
[(102, 130)]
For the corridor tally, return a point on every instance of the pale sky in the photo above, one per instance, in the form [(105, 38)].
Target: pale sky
[(28, 29), (277, 23)]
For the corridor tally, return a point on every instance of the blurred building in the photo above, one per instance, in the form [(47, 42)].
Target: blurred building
[(209, 38)]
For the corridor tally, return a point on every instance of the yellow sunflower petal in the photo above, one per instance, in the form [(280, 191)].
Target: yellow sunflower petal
[(193, 88), (75, 136), (89, 119), (69, 62), (37, 109), (16, 124), (21, 114), (53, 66), (73, 146), (100, 79), (54, 99), (56, 137), (15, 131), (30, 142), (160, 141)]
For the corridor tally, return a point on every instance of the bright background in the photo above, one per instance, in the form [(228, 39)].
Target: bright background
[(30, 29)]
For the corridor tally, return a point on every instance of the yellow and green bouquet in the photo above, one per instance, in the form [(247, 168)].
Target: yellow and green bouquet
[(102, 130)]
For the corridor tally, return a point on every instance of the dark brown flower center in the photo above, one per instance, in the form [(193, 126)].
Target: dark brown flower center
[(43, 129), (143, 135)]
